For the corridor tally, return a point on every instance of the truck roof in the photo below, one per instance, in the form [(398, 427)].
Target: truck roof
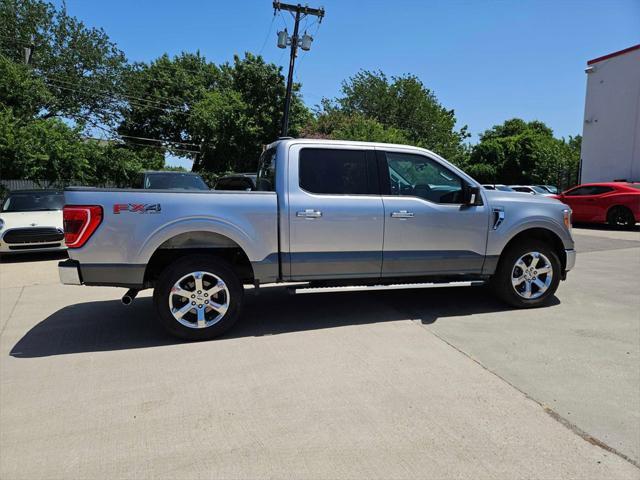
[(316, 141)]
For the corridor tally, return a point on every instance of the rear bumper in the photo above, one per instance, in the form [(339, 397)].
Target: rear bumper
[(72, 272), (69, 272)]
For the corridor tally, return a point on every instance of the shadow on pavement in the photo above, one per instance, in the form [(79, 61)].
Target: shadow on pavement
[(32, 257), (109, 325), (607, 228)]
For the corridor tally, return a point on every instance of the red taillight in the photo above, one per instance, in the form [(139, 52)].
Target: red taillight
[(80, 221)]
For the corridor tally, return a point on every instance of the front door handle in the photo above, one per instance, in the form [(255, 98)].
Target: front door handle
[(309, 213), (402, 214)]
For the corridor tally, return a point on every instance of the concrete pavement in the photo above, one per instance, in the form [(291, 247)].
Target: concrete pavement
[(416, 384)]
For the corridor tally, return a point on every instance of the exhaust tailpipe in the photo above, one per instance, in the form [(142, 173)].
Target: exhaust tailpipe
[(127, 298)]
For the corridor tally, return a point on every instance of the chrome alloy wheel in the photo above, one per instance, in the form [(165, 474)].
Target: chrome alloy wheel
[(199, 300), (531, 275)]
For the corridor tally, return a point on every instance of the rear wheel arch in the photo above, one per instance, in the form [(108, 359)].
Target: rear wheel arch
[(199, 242)]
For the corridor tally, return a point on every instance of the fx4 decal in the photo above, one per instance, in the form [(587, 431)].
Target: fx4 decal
[(136, 207)]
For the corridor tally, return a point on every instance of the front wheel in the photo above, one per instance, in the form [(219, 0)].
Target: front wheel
[(528, 274), (198, 297)]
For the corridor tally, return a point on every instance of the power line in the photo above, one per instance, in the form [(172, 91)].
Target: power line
[(114, 135), (107, 95), (113, 94), (142, 145), (266, 38), (158, 140)]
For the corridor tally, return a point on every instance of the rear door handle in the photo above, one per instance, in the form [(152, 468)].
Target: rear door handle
[(402, 214), (309, 213)]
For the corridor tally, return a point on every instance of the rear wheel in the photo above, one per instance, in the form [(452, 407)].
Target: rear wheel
[(198, 297), (621, 217), (528, 274)]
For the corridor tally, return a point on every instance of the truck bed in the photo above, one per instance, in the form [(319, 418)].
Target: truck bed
[(136, 223)]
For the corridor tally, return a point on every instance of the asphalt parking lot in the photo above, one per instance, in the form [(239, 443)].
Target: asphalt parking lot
[(435, 383)]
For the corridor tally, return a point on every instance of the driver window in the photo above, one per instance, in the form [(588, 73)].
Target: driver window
[(420, 176)]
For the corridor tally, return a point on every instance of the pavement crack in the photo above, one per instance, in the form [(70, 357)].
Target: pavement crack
[(549, 411), (13, 309)]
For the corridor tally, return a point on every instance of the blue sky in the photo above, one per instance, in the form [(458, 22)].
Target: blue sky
[(489, 61)]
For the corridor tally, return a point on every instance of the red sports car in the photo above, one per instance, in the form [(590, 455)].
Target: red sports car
[(615, 203)]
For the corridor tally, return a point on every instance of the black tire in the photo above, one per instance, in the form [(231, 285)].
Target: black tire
[(231, 296), (501, 281), (621, 217)]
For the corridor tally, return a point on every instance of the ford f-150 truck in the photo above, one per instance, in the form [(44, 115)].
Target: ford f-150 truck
[(329, 213)]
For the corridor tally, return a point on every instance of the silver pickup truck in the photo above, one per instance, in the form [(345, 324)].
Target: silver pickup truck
[(328, 213)]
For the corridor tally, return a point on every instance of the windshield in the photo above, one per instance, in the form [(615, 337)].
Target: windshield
[(504, 188), (33, 202), (163, 181), (539, 189)]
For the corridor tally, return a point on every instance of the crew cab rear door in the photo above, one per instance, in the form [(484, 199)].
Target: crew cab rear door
[(336, 221), (428, 231)]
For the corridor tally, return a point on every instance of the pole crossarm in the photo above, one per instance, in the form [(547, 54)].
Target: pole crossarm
[(303, 9)]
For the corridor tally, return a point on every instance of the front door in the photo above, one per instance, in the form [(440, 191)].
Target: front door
[(428, 231), (336, 215)]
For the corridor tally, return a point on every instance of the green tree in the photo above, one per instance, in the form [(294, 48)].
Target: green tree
[(21, 90), (51, 151), (335, 123), (41, 149), (523, 152), (111, 163), (171, 88), (406, 110), (220, 116), (80, 66)]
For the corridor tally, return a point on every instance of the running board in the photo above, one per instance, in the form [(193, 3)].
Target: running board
[(367, 288)]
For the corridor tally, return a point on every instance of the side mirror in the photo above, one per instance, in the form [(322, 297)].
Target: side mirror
[(471, 195)]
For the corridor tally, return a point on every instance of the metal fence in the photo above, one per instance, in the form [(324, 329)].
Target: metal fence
[(26, 185), (19, 184)]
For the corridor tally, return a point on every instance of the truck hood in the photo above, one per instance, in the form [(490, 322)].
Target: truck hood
[(52, 218), (498, 197)]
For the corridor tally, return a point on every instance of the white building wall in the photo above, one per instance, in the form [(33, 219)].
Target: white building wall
[(611, 132)]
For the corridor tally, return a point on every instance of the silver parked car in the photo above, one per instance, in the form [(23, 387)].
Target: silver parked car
[(531, 189), (498, 186), (325, 212)]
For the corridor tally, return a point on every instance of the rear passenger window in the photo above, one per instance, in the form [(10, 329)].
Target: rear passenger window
[(600, 190), (580, 191), (338, 172)]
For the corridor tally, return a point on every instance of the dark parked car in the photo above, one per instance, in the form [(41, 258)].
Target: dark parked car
[(239, 181), (168, 180)]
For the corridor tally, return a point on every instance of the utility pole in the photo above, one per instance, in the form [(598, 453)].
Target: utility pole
[(299, 12), (28, 51)]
